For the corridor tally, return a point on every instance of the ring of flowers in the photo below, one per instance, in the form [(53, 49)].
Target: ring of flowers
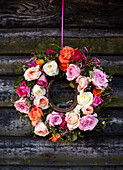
[(92, 92)]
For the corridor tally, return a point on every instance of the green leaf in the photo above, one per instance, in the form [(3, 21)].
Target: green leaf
[(72, 85), (74, 137)]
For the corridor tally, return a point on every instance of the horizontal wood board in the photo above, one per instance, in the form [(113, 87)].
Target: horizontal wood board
[(47, 13), (7, 87), (12, 125), (25, 45), (9, 64), (28, 151)]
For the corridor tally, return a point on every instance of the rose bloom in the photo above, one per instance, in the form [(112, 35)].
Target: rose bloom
[(51, 68), (77, 56), (42, 81), (99, 79), (88, 122), (38, 90), (50, 51), (97, 101), (63, 125), (87, 110), (82, 82), (55, 138), (85, 99), (23, 89), (54, 119), (63, 66), (22, 105), (32, 73), (97, 92), (40, 62), (41, 129), (35, 115), (72, 119), (73, 72), (65, 54), (41, 101)]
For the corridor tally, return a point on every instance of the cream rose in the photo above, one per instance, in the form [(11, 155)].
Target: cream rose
[(82, 82), (72, 119), (32, 73), (85, 99), (41, 129), (38, 90), (51, 68), (41, 102)]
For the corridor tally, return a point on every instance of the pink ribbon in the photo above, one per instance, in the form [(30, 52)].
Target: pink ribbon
[(32, 61), (62, 23), (85, 57), (95, 62)]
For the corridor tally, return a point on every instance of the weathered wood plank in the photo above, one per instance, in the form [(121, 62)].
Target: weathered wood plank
[(9, 64), (25, 45), (91, 151), (7, 86), (61, 168), (11, 124), (78, 13), (55, 32)]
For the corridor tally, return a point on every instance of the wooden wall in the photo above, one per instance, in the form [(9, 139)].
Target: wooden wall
[(24, 25)]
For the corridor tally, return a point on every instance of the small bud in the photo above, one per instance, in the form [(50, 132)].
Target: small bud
[(39, 62)]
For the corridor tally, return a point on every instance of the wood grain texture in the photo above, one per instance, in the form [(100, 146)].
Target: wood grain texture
[(25, 45), (12, 125), (56, 32), (7, 87), (47, 13), (41, 152), (9, 64), (94, 167)]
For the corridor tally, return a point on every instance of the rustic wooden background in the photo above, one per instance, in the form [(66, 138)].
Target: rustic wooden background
[(24, 25)]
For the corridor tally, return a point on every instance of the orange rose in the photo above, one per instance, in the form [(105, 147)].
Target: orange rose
[(65, 54), (35, 115), (39, 62), (55, 138), (64, 67), (97, 92)]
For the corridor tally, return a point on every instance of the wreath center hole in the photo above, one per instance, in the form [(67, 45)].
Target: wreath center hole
[(61, 93)]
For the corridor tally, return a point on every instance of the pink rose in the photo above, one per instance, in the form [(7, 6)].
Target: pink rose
[(54, 119), (97, 101), (23, 89), (87, 110), (41, 129), (99, 79), (42, 81), (50, 51), (32, 73), (22, 105), (82, 82), (88, 122), (41, 102), (63, 125), (73, 72), (77, 56)]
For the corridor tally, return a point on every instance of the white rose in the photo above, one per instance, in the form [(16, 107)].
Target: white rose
[(51, 68), (41, 129), (72, 119), (38, 90), (85, 99), (41, 102), (32, 73)]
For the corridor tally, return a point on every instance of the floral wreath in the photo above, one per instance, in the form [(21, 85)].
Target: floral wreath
[(92, 86)]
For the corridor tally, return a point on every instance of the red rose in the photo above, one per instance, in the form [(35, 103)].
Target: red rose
[(77, 56), (64, 123)]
